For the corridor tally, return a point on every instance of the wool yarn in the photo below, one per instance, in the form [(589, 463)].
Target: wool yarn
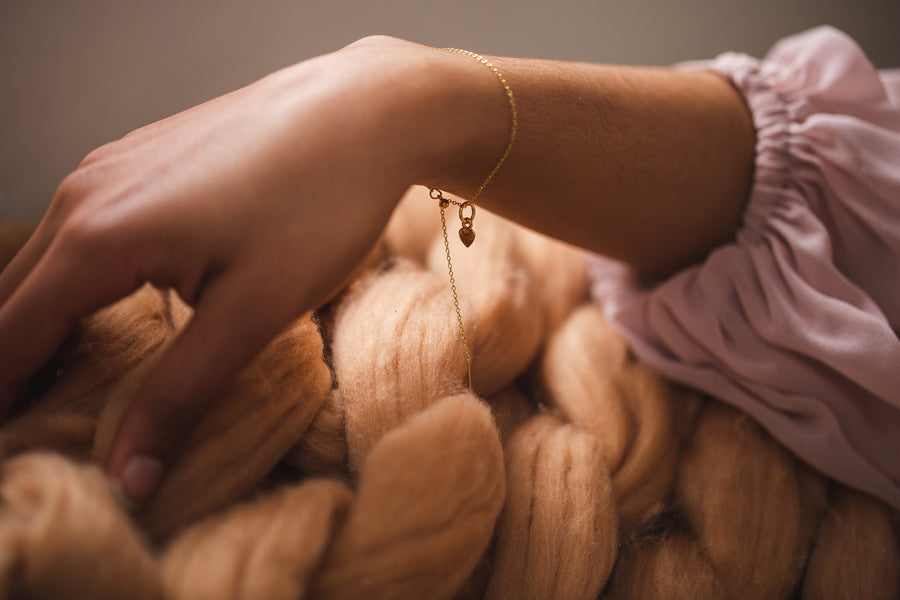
[(560, 510), (349, 460), (233, 446), (63, 536), (744, 516), (387, 366), (68, 433), (593, 382), (503, 329), (69, 393), (858, 527), (106, 346), (323, 448), (280, 538), (427, 500)]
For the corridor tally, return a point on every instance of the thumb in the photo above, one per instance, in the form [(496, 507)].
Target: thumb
[(219, 341)]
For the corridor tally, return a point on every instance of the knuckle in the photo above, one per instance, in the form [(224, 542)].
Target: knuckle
[(74, 192), (374, 40), (70, 193), (97, 154), (89, 240), (81, 233)]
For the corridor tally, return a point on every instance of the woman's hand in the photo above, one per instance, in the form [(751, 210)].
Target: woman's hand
[(255, 207)]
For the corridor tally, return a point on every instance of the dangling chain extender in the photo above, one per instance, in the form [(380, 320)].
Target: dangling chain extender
[(466, 231)]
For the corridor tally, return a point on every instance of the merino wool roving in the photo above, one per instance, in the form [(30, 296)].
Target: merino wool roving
[(350, 461)]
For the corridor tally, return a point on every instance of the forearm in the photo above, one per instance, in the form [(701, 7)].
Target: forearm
[(652, 166), (223, 202)]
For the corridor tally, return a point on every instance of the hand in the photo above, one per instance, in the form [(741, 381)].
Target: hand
[(255, 207)]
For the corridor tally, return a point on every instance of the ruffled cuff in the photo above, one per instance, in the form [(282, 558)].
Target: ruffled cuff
[(795, 322)]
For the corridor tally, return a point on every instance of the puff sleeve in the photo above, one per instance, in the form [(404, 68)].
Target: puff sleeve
[(796, 321)]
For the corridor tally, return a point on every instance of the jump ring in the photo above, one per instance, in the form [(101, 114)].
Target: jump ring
[(467, 204)]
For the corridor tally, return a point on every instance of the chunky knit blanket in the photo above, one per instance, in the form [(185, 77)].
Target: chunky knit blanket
[(350, 459)]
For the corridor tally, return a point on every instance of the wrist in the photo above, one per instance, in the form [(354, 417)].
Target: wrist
[(405, 113), (471, 128), (444, 117)]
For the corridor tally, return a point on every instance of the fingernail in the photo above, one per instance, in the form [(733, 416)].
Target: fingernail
[(139, 478)]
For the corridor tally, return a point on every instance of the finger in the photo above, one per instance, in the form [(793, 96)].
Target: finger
[(70, 190), (221, 339), (12, 276), (65, 285)]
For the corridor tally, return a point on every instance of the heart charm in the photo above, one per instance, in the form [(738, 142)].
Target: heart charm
[(467, 236)]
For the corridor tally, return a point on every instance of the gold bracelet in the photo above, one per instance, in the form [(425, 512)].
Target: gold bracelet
[(466, 231)]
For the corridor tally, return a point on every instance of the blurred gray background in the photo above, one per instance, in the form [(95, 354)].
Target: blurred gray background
[(78, 73)]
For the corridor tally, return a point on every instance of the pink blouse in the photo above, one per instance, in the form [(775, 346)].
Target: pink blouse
[(796, 322)]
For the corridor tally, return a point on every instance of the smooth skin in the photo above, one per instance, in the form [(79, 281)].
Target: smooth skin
[(258, 205)]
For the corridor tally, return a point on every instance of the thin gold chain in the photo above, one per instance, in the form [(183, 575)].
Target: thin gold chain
[(459, 319), (514, 114), (467, 234)]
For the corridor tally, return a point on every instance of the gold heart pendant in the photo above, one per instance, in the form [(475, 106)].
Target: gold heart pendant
[(467, 236)]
